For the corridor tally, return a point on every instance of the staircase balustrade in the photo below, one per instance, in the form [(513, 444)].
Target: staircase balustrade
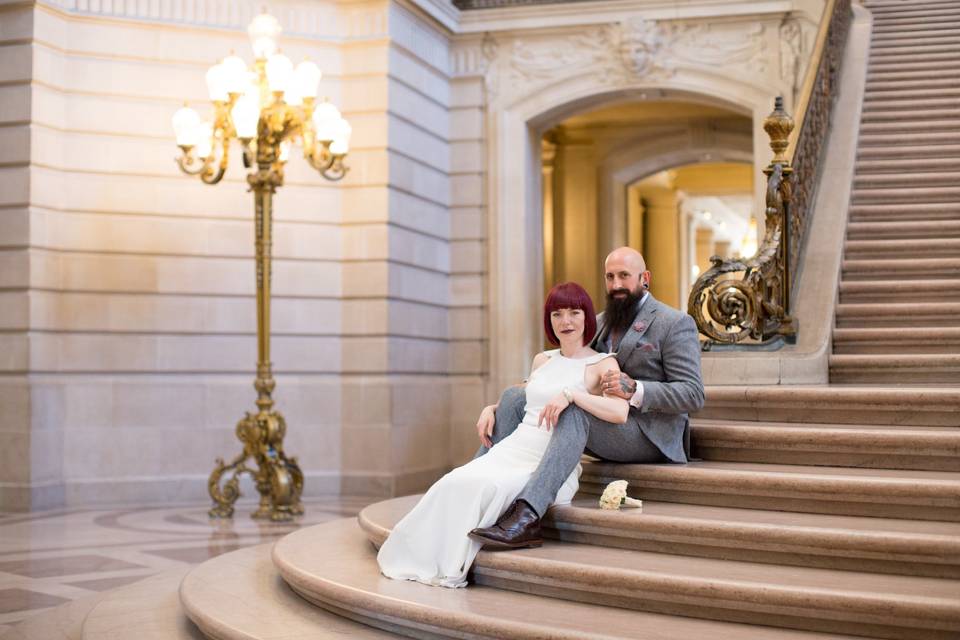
[(747, 301)]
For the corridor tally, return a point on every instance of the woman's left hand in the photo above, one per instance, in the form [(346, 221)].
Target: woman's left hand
[(552, 410)]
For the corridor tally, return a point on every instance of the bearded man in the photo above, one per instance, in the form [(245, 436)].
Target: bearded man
[(659, 356)]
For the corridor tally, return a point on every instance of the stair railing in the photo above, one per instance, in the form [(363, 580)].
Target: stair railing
[(740, 300)]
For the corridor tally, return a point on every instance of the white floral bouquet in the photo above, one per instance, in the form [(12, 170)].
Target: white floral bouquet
[(615, 496)]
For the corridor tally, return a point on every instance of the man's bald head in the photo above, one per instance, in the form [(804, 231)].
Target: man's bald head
[(627, 255), (625, 272)]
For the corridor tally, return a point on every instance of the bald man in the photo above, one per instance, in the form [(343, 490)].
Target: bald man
[(659, 355)]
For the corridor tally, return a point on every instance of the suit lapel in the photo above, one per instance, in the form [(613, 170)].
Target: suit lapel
[(641, 323)]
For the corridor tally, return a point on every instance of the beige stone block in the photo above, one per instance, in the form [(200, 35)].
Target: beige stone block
[(466, 290), (420, 109), (14, 457), (315, 446), (418, 249), (14, 268), (365, 242), (419, 446), (420, 179), (15, 103), (468, 356), (226, 399), (467, 92), (468, 323), (422, 401), (14, 352), (15, 63), (468, 256), (368, 166), (362, 317), (365, 448), (15, 402), (16, 229), (310, 400), (417, 355), (307, 354), (365, 58), (416, 319), (418, 212), (368, 355), (366, 279), (48, 407), (47, 456), (366, 204), (416, 72), (466, 123), (409, 139), (15, 144), (467, 223), (16, 185), (734, 368), (467, 157), (364, 93), (90, 402), (466, 190), (412, 283), (17, 23), (158, 405), (370, 130), (14, 311), (366, 402)]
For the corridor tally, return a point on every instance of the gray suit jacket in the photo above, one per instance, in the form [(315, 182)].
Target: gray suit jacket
[(661, 351)]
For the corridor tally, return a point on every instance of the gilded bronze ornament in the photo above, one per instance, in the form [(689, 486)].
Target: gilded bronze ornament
[(749, 298), (268, 112)]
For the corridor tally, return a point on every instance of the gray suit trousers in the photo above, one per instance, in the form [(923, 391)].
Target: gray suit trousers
[(576, 431)]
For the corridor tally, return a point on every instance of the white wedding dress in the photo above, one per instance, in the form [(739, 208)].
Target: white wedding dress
[(430, 544)]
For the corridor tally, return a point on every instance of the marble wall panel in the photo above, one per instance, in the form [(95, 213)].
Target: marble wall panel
[(468, 356), (415, 212), (15, 100), (467, 323), (419, 249), (15, 144), (14, 264), (418, 107), (16, 61), (426, 146), (467, 92), (466, 123), (468, 256), (418, 284), (467, 190), (410, 174), (17, 22), (467, 290), (413, 71), (14, 353), (467, 223), (16, 186), (14, 311), (417, 355), (466, 157)]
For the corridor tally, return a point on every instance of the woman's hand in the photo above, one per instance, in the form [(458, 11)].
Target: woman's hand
[(485, 425), (552, 410)]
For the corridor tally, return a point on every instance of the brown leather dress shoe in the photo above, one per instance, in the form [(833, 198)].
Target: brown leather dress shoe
[(517, 528)]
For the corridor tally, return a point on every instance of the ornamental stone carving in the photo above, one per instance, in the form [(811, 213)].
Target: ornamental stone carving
[(641, 43), (740, 45)]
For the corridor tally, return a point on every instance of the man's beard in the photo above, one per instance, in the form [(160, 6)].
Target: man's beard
[(620, 312)]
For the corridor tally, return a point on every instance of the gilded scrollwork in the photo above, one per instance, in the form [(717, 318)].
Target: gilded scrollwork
[(741, 299)]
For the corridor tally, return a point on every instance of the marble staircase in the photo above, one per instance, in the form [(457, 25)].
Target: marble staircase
[(899, 313)]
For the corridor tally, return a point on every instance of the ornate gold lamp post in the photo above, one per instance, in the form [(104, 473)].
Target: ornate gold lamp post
[(268, 109)]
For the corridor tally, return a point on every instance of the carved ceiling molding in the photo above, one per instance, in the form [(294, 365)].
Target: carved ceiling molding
[(615, 54)]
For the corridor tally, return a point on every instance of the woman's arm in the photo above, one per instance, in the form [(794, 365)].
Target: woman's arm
[(608, 408)]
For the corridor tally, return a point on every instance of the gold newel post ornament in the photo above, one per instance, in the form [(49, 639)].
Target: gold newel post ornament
[(269, 110)]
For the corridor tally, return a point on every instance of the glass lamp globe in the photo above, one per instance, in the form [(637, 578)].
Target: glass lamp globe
[(325, 118), (307, 79), (246, 113), (279, 72), (234, 74), (264, 31), (186, 126), (204, 140), (217, 83), (341, 137)]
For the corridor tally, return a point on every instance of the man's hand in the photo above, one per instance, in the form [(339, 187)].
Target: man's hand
[(552, 410), (618, 385), (485, 425)]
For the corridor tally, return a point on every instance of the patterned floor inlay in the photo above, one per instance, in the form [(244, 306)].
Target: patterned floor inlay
[(50, 558)]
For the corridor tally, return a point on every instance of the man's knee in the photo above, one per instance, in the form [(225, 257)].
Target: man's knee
[(573, 422)]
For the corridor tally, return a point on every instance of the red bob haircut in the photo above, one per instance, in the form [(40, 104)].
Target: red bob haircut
[(569, 295)]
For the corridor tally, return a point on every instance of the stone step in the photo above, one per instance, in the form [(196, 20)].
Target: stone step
[(902, 248), (906, 194), (907, 152), (895, 368), (945, 58), (904, 229), (876, 85), (882, 340), (912, 139), (907, 25), (946, 178), (918, 268), (879, 447), (878, 545), (914, 115), (908, 125), (907, 49), (887, 314), (901, 291), (906, 165), (922, 212), (334, 566), (899, 8), (883, 493), (909, 94), (929, 72), (930, 36), (916, 406), (921, 66)]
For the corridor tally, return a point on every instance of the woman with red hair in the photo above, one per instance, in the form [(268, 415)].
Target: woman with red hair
[(432, 543)]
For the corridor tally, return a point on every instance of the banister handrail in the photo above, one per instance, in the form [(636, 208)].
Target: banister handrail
[(756, 304)]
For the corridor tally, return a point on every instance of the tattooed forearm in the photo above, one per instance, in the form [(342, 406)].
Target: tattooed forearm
[(627, 385)]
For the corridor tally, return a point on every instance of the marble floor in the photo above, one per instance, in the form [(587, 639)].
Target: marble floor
[(52, 557)]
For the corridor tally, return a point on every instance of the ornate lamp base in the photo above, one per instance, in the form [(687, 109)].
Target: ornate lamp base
[(279, 480)]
